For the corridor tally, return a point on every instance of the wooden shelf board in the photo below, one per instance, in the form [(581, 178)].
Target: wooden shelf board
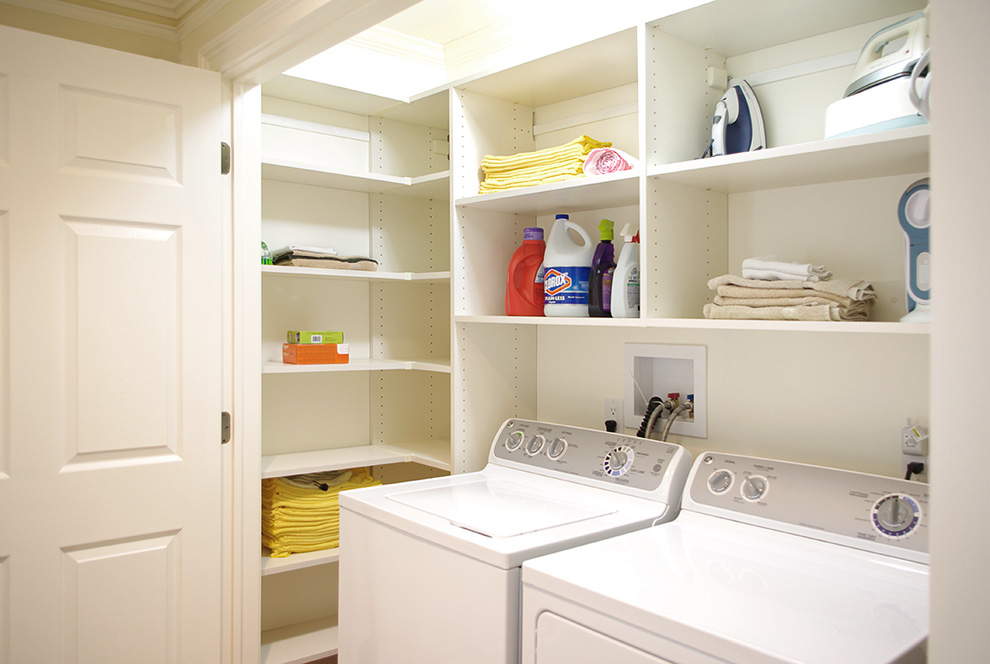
[(894, 152), (433, 453), (583, 193), (299, 643), (439, 365), (431, 185), (296, 561), (353, 275), (867, 327)]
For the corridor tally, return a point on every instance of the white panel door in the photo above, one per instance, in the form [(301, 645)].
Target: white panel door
[(110, 232)]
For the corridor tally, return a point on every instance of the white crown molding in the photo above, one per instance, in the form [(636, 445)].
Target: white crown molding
[(180, 18), (195, 13), (100, 17), (395, 43)]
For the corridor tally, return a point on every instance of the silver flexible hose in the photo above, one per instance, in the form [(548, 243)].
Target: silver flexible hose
[(684, 407)]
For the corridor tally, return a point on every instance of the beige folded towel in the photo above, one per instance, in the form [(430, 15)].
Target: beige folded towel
[(853, 289), (833, 299), (851, 310), (735, 312)]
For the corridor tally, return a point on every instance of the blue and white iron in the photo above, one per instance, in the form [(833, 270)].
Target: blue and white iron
[(914, 214), (737, 125)]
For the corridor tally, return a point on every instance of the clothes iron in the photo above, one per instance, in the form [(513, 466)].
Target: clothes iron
[(879, 96), (914, 215), (737, 125)]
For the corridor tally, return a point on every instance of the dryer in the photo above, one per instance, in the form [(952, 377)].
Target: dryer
[(430, 569), (768, 562)]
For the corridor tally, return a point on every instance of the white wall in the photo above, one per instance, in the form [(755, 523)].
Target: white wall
[(961, 319)]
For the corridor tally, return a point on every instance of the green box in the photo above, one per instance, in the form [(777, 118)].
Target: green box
[(306, 337)]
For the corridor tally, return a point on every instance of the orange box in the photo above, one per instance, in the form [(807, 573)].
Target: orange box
[(315, 353)]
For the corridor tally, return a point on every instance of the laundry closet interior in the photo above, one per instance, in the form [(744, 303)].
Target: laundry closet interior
[(380, 158)]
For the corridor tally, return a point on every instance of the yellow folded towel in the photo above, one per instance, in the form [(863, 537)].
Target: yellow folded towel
[(539, 167), (301, 513)]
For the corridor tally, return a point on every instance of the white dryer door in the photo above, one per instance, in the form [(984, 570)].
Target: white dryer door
[(560, 641), (497, 508)]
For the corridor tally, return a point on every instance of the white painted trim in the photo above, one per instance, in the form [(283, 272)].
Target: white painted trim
[(799, 69), (179, 22), (101, 17), (315, 127), (392, 42), (630, 108), (197, 16)]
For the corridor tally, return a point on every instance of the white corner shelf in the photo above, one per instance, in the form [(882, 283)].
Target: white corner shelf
[(296, 561), (432, 185), (894, 152), (433, 453), (362, 364), (353, 275), (301, 642), (581, 193)]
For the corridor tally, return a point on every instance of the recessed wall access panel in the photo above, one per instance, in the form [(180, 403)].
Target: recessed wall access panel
[(659, 369)]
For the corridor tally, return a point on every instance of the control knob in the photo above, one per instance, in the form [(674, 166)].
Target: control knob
[(896, 515), (754, 488), (720, 481), (619, 460)]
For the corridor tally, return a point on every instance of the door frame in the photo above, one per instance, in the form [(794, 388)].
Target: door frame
[(275, 37)]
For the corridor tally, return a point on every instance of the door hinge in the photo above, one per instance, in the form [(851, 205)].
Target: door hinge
[(224, 428), (224, 158)]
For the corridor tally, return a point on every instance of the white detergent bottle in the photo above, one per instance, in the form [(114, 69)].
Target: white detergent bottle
[(625, 279), (568, 270)]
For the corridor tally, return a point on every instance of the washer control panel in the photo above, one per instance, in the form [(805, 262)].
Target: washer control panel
[(598, 456), (812, 500)]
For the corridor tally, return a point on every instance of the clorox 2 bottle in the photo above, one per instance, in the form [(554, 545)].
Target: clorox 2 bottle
[(568, 270)]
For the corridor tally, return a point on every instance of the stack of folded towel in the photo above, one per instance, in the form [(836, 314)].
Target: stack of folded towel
[(774, 290), (301, 513), (540, 167)]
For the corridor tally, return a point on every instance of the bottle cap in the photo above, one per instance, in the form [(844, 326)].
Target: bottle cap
[(562, 216), (535, 233), (606, 228), (627, 234)]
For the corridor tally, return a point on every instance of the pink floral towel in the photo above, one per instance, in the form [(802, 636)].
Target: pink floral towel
[(607, 160)]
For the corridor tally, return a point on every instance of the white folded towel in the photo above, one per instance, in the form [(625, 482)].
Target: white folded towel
[(768, 268)]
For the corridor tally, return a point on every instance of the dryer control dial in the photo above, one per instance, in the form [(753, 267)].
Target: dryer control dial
[(720, 481), (556, 448), (514, 440), (535, 445), (896, 515), (619, 460), (754, 488)]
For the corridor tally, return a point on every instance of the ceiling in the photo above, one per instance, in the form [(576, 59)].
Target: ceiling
[(444, 21)]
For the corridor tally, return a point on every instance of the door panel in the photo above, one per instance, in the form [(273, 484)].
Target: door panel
[(110, 332)]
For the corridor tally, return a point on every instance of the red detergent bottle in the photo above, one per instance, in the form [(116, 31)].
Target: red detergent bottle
[(524, 279)]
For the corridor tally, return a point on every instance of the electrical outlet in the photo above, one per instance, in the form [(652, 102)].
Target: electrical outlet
[(914, 448), (613, 411)]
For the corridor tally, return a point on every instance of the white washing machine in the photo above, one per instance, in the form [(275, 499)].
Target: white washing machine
[(767, 562), (430, 570)]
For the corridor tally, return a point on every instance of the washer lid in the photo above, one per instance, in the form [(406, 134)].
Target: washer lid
[(499, 508)]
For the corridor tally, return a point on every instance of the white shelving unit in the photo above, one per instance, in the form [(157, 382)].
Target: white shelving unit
[(436, 366), (378, 191), (804, 199)]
